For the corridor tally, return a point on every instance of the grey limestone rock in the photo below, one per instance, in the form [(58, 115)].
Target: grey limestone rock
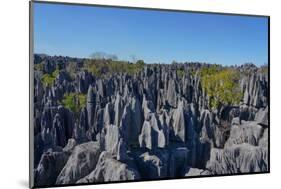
[(84, 79), (47, 138), (122, 151), (262, 117), (179, 123), (156, 122), (147, 107), (70, 146), (247, 132), (59, 131), (108, 114), (196, 172), (91, 105), (112, 138), (79, 133), (118, 109), (263, 142), (152, 135), (49, 168), (243, 158), (180, 158), (81, 162), (109, 169), (153, 166), (136, 121), (172, 93), (255, 90)]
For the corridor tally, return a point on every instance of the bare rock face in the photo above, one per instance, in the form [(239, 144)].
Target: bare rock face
[(79, 133), (153, 166), (68, 120), (247, 113), (147, 107), (109, 169), (154, 121), (47, 139), (83, 79), (49, 167), (248, 132), (118, 110), (179, 160), (206, 125), (262, 117), (152, 135), (243, 158), (256, 90), (70, 146), (263, 141), (99, 123), (49, 66), (172, 93), (190, 172), (179, 123), (79, 130), (136, 121), (245, 151), (81, 162), (145, 138), (108, 114), (91, 104), (126, 123), (112, 138), (122, 151)]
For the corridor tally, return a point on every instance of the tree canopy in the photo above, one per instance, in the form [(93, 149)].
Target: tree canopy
[(74, 101), (221, 85)]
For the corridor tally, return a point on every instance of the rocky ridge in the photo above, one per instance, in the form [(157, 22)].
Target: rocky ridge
[(153, 124)]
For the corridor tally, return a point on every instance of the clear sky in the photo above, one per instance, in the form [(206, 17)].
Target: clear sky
[(154, 36)]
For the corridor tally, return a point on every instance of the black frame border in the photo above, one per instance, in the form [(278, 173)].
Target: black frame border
[(31, 87)]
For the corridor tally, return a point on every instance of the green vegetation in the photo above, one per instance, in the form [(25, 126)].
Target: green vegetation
[(92, 67), (210, 70), (192, 72), (74, 101), (104, 67), (264, 69), (71, 69), (38, 67), (180, 73), (221, 85), (48, 79)]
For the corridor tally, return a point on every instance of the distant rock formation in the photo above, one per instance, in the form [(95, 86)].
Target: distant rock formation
[(154, 123)]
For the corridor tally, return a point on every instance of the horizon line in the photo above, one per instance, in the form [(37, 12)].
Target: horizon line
[(178, 62)]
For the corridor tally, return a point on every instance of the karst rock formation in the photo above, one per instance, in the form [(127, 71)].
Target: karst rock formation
[(152, 124)]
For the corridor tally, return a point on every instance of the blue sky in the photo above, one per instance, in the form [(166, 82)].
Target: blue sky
[(154, 36)]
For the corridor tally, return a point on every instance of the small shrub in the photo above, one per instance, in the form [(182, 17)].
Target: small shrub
[(221, 85), (48, 79), (74, 101), (38, 67), (105, 67), (180, 73), (264, 69)]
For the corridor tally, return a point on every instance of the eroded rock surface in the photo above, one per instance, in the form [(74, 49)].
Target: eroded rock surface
[(81, 162), (156, 122)]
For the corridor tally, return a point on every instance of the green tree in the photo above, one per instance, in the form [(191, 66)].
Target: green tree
[(104, 67), (74, 101), (221, 85), (38, 66), (48, 79), (180, 73)]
